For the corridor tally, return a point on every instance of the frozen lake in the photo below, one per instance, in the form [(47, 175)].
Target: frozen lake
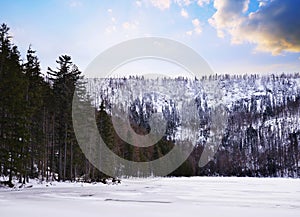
[(197, 196)]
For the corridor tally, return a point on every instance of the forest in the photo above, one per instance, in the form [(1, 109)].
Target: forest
[(37, 139)]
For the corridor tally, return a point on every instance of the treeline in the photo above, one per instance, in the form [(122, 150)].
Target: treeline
[(36, 133), (37, 139)]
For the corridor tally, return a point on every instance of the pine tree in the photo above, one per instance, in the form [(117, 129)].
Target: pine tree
[(36, 90), (64, 81)]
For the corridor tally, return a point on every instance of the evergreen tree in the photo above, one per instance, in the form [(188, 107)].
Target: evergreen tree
[(14, 135), (64, 81)]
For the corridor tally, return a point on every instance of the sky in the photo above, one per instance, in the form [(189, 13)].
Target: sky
[(233, 36)]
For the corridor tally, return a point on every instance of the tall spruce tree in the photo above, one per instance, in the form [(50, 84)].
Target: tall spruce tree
[(64, 80), (36, 91)]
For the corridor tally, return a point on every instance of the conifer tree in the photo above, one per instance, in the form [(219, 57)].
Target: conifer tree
[(64, 81), (13, 125)]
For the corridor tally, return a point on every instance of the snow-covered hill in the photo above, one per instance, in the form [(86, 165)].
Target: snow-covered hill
[(256, 133)]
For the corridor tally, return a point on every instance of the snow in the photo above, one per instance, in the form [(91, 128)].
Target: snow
[(196, 196)]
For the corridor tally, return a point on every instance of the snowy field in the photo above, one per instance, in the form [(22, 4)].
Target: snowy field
[(198, 196)]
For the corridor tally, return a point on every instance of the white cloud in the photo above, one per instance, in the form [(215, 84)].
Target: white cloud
[(161, 4), (201, 3), (184, 13), (197, 26), (273, 29), (109, 10), (263, 3), (138, 3), (227, 15), (196, 22), (183, 2)]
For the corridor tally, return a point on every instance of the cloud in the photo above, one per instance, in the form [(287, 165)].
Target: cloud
[(196, 22), (161, 4), (274, 27), (184, 13), (138, 4), (109, 10), (183, 2), (263, 3), (201, 3), (197, 26)]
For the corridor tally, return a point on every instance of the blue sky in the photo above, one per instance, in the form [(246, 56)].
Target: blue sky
[(234, 36)]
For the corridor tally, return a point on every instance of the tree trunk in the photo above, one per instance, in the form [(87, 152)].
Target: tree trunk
[(65, 151), (71, 162)]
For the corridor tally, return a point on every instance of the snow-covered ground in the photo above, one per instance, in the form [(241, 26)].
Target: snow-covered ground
[(197, 196)]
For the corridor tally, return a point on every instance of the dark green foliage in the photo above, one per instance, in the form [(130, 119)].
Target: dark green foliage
[(14, 135)]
